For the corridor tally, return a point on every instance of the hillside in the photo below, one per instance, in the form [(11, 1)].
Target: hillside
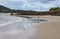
[(4, 9)]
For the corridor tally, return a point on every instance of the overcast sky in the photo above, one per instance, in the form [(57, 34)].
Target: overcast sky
[(37, 5)]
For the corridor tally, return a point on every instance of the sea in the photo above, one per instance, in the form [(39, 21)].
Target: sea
[(12, 27)]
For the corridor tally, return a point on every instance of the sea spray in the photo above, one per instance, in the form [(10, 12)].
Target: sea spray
[(4, 20)]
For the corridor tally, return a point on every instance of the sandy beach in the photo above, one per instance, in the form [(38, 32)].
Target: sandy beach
[(46, 30), (50, 30)]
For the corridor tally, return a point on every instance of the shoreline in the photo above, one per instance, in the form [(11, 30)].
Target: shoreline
[(50, 30), (15, 30)]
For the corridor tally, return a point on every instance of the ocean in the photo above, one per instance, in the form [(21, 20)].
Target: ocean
[(12, 27)]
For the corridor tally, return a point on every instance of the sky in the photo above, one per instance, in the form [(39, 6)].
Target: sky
[(35, 5)]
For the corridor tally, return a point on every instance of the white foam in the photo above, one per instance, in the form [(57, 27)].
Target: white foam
[(9, 20), (14, 32)]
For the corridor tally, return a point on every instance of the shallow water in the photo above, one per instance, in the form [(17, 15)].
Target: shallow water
[(12, 27)]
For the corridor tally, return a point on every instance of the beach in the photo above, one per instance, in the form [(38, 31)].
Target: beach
[(29, 19), (12, 27), (50, 30), (42, 30)]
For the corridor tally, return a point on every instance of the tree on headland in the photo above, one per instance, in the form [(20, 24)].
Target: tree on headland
[(54, 9)]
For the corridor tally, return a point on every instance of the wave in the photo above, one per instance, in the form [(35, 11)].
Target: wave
[(9, 20)]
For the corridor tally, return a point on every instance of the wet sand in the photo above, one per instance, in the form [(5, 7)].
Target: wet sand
[(50, 30), (18, 29)]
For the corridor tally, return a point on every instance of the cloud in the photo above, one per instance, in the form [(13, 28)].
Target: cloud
[(38, 5), (18, 0)]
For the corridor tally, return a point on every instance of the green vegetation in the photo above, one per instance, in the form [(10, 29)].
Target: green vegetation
[(52, 11), (55, 9), (4, 9)]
